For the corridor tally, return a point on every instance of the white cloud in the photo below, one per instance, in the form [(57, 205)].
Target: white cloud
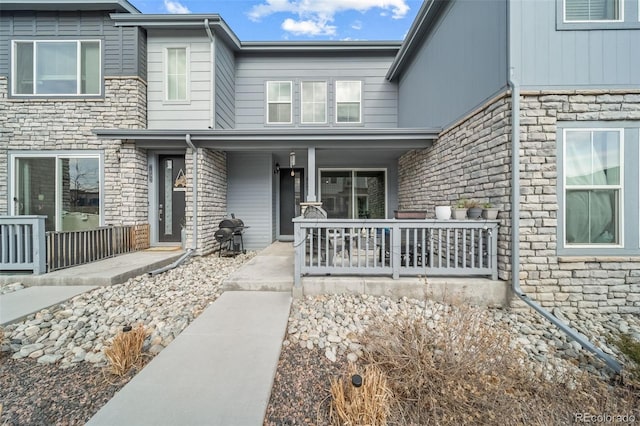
[(175, 7), (357, 25), (314, 16), (308, 27)]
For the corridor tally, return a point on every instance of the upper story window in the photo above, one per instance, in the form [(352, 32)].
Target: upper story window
[(348, 102), (57, 67), (314, 102), (593, 187), (176, 74), (592, 10), (279, 96)]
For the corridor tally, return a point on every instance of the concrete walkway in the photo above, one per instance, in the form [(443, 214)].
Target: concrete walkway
[(218, 371), (19, 304), (270, 269)]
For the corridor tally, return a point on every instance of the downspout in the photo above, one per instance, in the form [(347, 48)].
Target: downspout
[(515, 234), (190, 251), (212, 51)]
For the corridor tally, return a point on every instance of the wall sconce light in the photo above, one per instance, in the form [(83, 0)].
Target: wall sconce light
[(277, 169), (292, 162)]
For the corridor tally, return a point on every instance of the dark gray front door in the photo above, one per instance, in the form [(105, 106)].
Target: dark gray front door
[(172, 187), (291, 194)]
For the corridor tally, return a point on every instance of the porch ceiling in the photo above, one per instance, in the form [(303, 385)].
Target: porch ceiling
[(271, 139)]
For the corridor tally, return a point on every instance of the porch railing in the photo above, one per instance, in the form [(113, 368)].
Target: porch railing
[(72, 248), (395, 247), (22, 244)]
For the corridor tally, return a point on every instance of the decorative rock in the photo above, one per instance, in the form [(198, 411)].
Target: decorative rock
[(31, 330), (49, 359)]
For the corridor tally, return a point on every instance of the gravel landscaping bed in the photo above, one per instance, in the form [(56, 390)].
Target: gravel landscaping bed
[(52, 364)]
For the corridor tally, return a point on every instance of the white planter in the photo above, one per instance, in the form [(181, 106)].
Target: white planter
[(459, 214), (490, 213), (443, 212)]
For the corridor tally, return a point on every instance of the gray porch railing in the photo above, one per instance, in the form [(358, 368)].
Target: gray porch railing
[(395, 247), (22, 244)]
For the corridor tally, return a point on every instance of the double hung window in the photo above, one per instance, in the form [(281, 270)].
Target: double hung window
[(57, 67), (176, 74), (592, 10), (279, 97), (314, 102), (348, 101)]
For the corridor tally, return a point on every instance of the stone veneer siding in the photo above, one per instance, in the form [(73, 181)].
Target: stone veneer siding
[(66, 124), (212, 197), (472, 159)]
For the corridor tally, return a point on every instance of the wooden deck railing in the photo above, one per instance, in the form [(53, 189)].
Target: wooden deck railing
[(22, 246), (395, 247), (72, 248)]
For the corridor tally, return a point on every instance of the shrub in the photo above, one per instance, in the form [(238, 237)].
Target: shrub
[(631, 348), (465, 370)]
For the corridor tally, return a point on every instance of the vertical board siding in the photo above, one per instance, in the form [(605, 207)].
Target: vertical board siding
[(249, 195), (379, 97), (544, 56), (225, 87), (120, 45), (195, 112), (458, 66)]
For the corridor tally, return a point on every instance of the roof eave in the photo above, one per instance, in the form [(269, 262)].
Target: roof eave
[(36, 5), (427, 14)]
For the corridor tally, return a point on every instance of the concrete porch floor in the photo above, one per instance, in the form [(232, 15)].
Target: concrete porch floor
[(272, 270)]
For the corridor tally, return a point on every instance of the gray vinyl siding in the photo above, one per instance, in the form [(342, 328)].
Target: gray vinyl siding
[(379, 96), (121, 46), (545, 57), (225, 86), (460, 64), (249, 195), (195, 113)]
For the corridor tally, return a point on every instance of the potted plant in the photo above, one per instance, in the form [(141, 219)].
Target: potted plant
[(459, 211), (443, 212), (489, 211), (474, 211)]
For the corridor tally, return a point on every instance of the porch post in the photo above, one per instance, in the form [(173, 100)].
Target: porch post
[(311, 174)]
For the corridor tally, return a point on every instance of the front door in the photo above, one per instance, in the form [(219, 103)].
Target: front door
[(291, 195), (172, 187)]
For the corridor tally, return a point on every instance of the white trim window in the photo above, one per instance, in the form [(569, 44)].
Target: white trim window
[(593, 187), (60, 67), (176, 74), (348, 101), (354, 193), (66, 187), (279, 100), (593, 10), (313, 102)]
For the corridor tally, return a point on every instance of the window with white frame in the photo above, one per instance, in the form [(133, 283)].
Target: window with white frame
[(354, 194), (592, 10), (348, 101), (177, 74), (314, 102), (68, 67), (64, 187), (279, 98), (593, 187)]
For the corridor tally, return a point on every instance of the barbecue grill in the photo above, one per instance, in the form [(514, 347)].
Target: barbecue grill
[(229, 236)]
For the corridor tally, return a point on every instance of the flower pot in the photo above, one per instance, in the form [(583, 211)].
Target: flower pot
[(459, 214), (490, 213), (443, 212), (474, 212)]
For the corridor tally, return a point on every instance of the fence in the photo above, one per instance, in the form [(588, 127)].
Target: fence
[(395, 247), (72, 248), (22, 244)]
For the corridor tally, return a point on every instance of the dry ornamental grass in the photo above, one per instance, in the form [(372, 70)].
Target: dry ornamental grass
[(126, 350), (467, 371)]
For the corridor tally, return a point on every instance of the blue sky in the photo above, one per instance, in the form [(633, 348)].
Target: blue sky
[(277, 20)]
